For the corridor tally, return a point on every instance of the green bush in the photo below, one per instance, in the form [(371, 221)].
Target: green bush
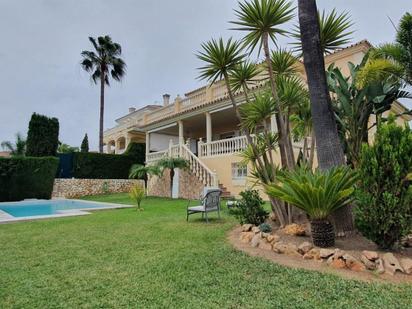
[(265, 228), (250, 208), (138, 151), (84, 147), (27, 177), (384, 195), (43, 136), (101, 166)]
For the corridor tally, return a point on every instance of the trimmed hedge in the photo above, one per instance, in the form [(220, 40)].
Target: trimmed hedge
[(27, 177), (101, 166), (43, 136)]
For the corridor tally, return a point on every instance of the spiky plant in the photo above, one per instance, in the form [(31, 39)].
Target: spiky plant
[(18, 148), (137, 193)]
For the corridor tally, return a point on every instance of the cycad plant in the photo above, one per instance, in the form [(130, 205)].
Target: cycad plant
[(137, 193), (103, 62), (138, 171), (318, 193), (172, 164)]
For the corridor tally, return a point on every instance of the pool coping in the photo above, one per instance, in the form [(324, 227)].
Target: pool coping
[(7, 218)]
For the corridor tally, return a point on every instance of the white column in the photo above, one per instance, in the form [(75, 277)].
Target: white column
[(116, 146), (127, 141), (273, 124), (181, 137), (147, 143), (208, 131), (109, 147)]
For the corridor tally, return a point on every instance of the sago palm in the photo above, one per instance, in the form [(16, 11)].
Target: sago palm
[(102, 63), (16, 149), (262, 20)]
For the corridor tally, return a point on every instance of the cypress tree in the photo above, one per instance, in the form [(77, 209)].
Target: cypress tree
[(43, 136), (85, 144)]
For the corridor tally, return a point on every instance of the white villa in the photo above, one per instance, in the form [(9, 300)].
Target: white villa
[(202, 127)]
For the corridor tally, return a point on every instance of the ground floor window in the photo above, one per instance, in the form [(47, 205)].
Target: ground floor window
[(239, 171)]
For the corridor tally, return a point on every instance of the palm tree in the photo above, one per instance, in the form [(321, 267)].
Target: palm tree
[(391, 59), (103, 61), (172, 164), (329, 147), (16, 149), (262, 20), (138, 171)]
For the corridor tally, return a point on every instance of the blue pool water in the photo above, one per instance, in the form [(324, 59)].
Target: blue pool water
[(47, 207)]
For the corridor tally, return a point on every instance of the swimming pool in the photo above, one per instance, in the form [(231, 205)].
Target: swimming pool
[(38, 209)]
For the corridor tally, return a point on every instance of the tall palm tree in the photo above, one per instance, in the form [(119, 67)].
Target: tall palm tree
[(171, 164), (329, 147), (262, 20), (16, 149), (103, 62)]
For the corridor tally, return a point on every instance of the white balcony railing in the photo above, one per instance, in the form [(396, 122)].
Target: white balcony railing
[(223, 147), (156, 156)]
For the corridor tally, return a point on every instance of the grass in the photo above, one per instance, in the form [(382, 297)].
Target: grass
[(154, 259)]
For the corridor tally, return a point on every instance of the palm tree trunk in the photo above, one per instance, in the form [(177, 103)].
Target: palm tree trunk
[(102, 80), (312, 149), (285, 152), (172, 174), (330, 151)]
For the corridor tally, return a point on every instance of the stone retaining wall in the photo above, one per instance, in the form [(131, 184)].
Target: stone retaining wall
[(73, 188)]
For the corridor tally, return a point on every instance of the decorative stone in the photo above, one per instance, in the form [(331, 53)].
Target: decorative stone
[(246, 227), (255, 229), (280, 247), (246, 237), (407, 265), (391, 264), (295, 230), (370, 255), (273, 238), (370, 265), (338, 254), (325, 253), (353, 264), (407, 241), (265, 245), (380, 269), (304, 247), (338, 264), (255, 241), (265, 235), (292, 250), (312, 254)]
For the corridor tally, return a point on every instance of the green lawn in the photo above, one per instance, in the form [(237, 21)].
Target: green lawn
[(154, 259)]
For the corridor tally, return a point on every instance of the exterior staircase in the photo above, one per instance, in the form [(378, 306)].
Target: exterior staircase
[(225, 193)]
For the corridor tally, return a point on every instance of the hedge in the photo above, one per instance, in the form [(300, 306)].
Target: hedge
[(27, 177), (43, 136), (101, 166)]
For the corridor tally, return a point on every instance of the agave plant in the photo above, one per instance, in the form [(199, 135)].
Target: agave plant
[(318, 193)]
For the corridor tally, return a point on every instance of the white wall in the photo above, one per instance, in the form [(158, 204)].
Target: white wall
[(160, 141)]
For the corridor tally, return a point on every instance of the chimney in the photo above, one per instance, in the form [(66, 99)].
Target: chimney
[(131, 110), (166, 98)]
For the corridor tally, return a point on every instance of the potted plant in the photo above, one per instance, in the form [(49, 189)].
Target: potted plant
[(319, 194)]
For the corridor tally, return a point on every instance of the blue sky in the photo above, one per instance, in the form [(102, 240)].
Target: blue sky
[(42, 41)]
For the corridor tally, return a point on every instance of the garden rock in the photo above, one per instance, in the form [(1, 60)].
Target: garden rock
[(246, 227), (295, 230), (338, 254), (370, 265), (353, 264), (380, 269), (255, 229), (273, 238), (391, 264), (292, 250), (304, 247), (370, 255), (265, 245), (338, 264), (255, 240), (407, 265), (265, 235), (246, 237), (312, 254), (325, 253), (280, 247)]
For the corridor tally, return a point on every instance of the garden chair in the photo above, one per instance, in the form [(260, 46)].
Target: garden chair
[(209, 203)]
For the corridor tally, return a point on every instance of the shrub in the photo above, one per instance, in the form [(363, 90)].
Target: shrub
[(84, 147), (138, 151), (250, 208), (384, 195), (265, 228), (137, 193), (101, 166), (43, 136), (27, 177)]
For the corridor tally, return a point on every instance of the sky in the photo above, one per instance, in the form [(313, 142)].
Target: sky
[(42, 41)]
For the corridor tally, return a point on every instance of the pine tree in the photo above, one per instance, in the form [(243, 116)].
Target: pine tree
[(85, 144)]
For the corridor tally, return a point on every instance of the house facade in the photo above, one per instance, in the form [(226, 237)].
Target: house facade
[(202, 127)]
